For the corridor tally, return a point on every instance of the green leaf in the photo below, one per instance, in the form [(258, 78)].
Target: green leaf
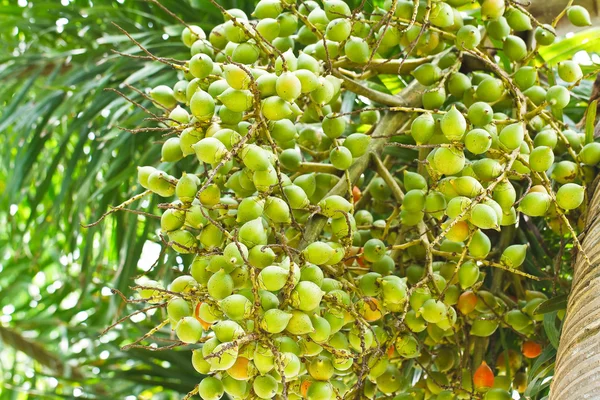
[(554, 304), (586, 40), (590, 121), (392, 82), (552, 331), (547, 354)]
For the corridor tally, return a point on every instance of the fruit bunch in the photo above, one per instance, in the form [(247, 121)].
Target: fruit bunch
[(323, 268)]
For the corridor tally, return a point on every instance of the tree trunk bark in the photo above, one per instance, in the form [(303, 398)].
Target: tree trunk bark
[(577, 371)]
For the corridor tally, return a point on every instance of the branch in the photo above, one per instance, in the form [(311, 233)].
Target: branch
[(391, 122)]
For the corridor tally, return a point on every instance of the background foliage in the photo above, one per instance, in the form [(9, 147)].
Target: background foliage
[(63, 162)]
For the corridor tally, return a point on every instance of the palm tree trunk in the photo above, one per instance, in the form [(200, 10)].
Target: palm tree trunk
[(577, 372)]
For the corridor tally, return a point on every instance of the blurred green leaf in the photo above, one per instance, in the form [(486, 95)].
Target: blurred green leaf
[(588, 40), (590, 121), (554, 304)]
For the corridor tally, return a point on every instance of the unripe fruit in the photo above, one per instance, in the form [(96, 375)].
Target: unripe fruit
[(570, 196), (250, 208), (468, 274), (458, 84), (558, 96), (492, 9), (370, 117), (590, 154), (394, 290), (468, 186), (480, 113), (374, 250), (484, 327), (569, 71), (498, 28), (275, 108), (255, 158), (484, 217), (276, 210), (478, 141), (435, 204), (172, 219), (341, 158), (210, 150), (246, 53), (391, 380), (413, 180), (407, 346), (189, 330), (201, 66), (480, 245), (414, 200), (265, 386), (202, 105), (433, 98), (433, 311), (357, 50), (220, 285), (191, 34), (441, 15), (320, 391), (334, 126), (490, 89), (513, 256), (427, 74), (468, 37), (536, 94), (334, 206), (266, 85), (512, 136), (547, 137), (180, 90), (525, 77), (518, 20), (457, 206), (267, 9), (300, 324), (545, 35), (164, 95), (236, 100), (288, 86), (579, 16), (336, 9), (236, 76), (160, 183), (210, 388), (318, 253), (448, 161), (178, 308), (273, 278), (179, 115), (422, 128), (541, 159), (268, 28), (564, 171), (236, 307), (296, 197), (306, 296), (453, 124), (275, 320), (517, 319), (260, 256), (535, 204)]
